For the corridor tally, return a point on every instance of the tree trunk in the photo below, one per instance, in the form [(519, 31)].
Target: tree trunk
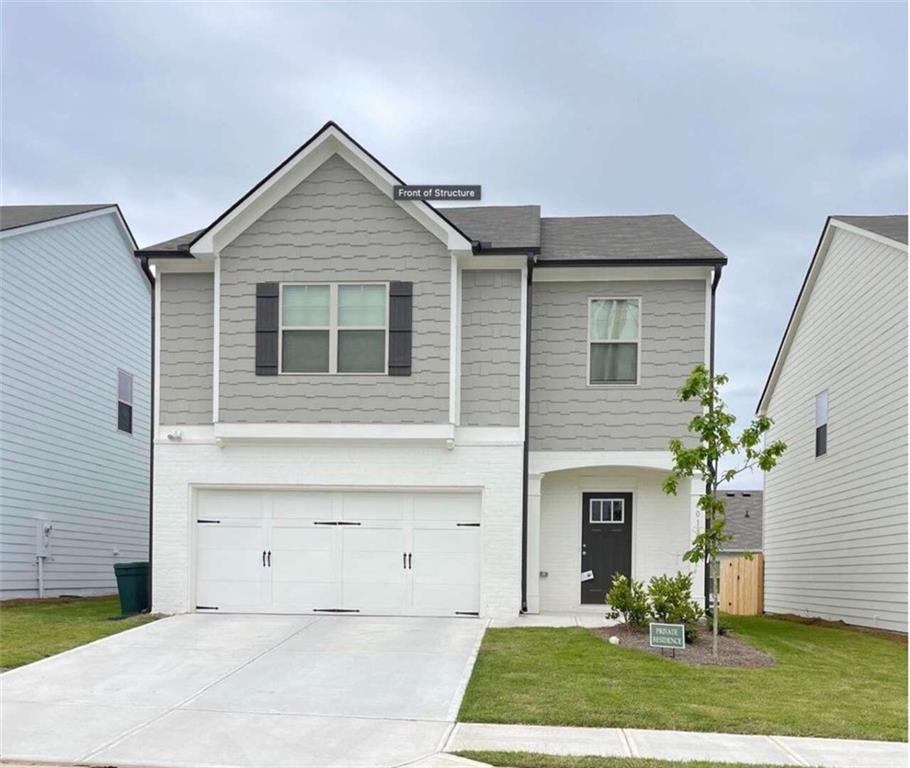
[(715, 600)]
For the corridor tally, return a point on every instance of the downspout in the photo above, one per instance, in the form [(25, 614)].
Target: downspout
[(144, 261), (708, 489), (524, 474)]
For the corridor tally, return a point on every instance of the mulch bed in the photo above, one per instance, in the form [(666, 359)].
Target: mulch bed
[(732, 651)]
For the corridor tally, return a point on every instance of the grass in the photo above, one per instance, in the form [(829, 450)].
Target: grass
[(529, 760), (33, 629), (833, 682)]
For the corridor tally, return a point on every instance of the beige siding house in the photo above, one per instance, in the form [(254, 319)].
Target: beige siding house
[(835, 508)]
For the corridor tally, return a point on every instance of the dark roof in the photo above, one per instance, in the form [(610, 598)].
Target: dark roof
[(499, 226), (892, 226), (181, 243), (660, 237), (744, 520), (12, 216)]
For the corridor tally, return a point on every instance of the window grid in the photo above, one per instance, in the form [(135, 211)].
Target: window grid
[(636, 342), (606, 511), (332, 328)]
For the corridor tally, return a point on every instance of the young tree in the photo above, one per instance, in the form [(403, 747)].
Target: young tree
[(715, 441)]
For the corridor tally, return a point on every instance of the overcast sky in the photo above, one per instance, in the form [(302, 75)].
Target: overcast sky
[(750, 122)]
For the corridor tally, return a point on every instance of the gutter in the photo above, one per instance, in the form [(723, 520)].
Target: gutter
[(532, 260), (708, 489), (144, 261)]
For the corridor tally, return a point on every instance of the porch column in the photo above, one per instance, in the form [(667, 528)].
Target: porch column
[(696, 526), (533, 562)]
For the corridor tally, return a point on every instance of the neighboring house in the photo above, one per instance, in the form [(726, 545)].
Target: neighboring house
[(383, 407), (835, 538), (743, 510), (75, 344)]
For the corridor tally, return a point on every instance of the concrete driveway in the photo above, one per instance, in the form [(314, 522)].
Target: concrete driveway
[(208, 690)]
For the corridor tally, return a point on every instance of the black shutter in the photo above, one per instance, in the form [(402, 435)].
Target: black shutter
[(267, 329), (401, 299)]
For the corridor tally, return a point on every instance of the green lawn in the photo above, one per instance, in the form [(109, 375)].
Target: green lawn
[(827, 682), (528, 760), (32, 630)]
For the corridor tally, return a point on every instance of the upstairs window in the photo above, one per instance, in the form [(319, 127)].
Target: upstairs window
[(124, 401), (614, 336), (821, 423), (334, 328)]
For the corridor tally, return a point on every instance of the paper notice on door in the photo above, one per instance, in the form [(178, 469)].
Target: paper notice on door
[(587, 575)]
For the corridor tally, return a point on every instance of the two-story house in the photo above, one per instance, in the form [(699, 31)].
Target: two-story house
[(373, 406), (75, 399)]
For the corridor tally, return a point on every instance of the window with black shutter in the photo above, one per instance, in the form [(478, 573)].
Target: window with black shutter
[(124, 401)]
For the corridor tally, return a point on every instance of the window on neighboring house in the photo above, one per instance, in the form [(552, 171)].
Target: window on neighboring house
[(334, 328), (606, 511), (124, 401), (821, 423), (614, 335)]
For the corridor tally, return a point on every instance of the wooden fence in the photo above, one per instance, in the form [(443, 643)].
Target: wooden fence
[(742, 585)]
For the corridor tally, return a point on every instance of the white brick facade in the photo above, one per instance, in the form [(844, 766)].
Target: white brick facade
[(493, 470)]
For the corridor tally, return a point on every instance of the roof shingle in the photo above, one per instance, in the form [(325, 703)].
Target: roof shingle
[(13, 216), (744, 520), (891, 226)]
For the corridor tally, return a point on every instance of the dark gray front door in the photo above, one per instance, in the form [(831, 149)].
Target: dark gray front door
[(606, 542)]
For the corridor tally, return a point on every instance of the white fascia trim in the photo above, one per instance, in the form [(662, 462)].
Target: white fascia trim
[(542, 462), (185, 434), (708, 281), (489, 436), (271, 432), (216, 341), (181, 265), (594, 274), (156, 342), (866, 233), (330, 142), (802, 299)]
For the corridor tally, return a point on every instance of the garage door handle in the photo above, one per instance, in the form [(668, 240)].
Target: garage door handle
[(270, 558), (404, 560), (409, 561), (263, 558)]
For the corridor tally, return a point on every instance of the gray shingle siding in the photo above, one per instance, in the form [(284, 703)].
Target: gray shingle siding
[(568, 415), (490, 347), (335, 226), (187, 348)]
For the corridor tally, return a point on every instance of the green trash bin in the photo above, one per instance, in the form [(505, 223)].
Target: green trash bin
[(133, 586)]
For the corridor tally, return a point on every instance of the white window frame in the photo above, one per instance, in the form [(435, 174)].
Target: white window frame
[(332, 328), (121, 372), (611, 521), (636, 341), (827, 400)]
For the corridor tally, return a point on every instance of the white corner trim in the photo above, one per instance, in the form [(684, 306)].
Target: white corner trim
[(329, 141), (454, 341), (216, 341), (156, 342), (272, 432), (708, 281), (489, 436), (523, 347), (542, 462)]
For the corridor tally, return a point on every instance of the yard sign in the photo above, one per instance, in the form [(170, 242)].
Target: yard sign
[(667, 635)]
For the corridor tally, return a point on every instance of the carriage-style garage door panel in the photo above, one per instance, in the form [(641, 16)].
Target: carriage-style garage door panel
[(320, 551)]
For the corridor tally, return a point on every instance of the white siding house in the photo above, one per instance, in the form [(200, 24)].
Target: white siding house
[(835, 508), (75, 327)]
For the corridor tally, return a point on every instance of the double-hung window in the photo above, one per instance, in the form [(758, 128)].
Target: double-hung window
[(334, 327), (124, 401), (821, 423), (614, 337)]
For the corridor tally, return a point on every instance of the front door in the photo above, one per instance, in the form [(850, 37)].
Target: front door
[(606, 543)]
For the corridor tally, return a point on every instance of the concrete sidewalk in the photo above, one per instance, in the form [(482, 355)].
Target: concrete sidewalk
[(678, 745)]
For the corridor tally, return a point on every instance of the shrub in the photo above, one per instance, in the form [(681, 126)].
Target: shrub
[(628, 599), (672, 603)]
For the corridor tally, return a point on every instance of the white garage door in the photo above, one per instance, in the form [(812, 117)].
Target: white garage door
[(338, 552)]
